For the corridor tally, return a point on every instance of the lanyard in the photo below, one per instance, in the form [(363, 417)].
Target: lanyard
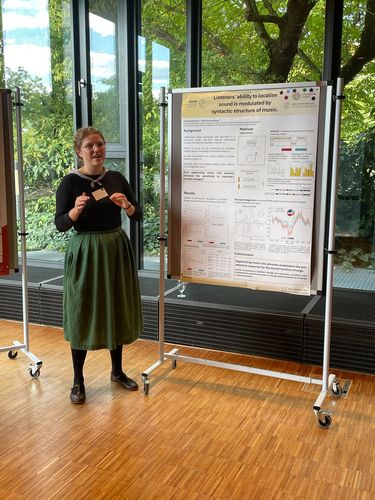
[(92, 181)]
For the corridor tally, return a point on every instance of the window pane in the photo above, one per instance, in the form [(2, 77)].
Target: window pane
[(161, 64), (37, 59), (104, 60), (355, 238), (117, 164)]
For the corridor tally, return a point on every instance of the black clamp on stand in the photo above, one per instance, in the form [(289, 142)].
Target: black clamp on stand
[(329, 252)]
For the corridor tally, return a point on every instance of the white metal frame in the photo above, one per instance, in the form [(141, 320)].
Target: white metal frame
[(328, 382), (34, 368)]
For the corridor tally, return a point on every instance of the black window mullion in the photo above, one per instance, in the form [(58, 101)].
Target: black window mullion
[(76, 63), (193, 43), (133, 29), (332, 39), (331, 71), (81, 64)]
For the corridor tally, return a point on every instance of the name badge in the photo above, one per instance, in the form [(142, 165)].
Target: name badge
[(99, 194)]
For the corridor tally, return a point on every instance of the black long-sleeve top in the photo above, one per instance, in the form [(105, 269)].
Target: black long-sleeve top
[(98, 215)]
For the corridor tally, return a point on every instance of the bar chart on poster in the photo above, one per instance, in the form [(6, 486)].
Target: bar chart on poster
[(8, 222), (243, 178)]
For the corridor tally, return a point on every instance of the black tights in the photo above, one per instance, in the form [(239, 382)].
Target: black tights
[(79, 356)]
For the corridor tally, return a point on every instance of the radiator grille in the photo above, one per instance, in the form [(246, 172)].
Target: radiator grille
[(352, 344), (11, 301), (264, 334), (51, 301), (150, 319), (234, 320)]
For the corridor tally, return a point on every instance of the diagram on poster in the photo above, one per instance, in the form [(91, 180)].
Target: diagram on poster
[(251, 150), (248, 170)]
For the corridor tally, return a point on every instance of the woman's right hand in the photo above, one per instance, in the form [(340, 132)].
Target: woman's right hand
[(79, 206)]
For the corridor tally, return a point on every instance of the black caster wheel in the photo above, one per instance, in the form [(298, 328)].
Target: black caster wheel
[(146, 384), (336, 391), (326, 422), (34, 373), (174, 363), (12, 354)]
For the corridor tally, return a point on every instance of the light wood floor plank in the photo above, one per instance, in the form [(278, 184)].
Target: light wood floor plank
[(201, 433)]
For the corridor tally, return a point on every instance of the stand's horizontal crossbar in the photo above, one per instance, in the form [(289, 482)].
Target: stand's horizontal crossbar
[(147, 372), (12, 347), (243, 368), (174, 356), (323, 393)]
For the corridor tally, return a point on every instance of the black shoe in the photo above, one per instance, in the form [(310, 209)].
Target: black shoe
[(126, 382), (77, 394)]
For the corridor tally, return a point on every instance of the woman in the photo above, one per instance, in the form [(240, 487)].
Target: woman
[(102, 305)]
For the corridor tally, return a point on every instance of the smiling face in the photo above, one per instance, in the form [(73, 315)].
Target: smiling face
[(92, 152)]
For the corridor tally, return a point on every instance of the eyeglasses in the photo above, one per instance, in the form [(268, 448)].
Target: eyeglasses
[(92, 145)]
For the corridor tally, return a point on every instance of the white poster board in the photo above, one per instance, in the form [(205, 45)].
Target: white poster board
[(8, 222), (246, 163)]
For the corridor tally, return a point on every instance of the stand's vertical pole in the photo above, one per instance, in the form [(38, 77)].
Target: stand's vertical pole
[(331, 235), (162, 238), (22, 232)]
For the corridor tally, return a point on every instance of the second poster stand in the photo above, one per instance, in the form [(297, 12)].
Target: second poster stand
[(328, 382), (36, 365)]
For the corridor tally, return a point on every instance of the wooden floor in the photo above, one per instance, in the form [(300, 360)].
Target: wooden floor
[(202, 432)]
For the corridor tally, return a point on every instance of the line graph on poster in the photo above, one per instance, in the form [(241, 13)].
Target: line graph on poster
[(250, 223), (291, 224)]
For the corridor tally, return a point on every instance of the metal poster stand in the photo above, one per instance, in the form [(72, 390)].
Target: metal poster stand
[(34, 369), (328, 382)]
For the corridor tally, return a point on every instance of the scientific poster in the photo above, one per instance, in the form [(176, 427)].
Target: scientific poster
[(248, 167)]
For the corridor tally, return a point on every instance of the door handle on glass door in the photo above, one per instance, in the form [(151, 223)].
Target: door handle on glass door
[(81, 84)]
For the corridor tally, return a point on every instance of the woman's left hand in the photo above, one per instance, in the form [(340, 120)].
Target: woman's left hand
[(120, 199)]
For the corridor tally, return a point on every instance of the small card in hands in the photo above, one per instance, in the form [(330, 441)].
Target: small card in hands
[(99, 194)]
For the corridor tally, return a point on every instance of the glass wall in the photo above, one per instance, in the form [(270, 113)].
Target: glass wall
[(355, 236), (242, 44), (37, 58), (161, 64)]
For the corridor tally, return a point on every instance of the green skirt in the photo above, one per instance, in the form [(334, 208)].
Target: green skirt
[(102, 302)]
